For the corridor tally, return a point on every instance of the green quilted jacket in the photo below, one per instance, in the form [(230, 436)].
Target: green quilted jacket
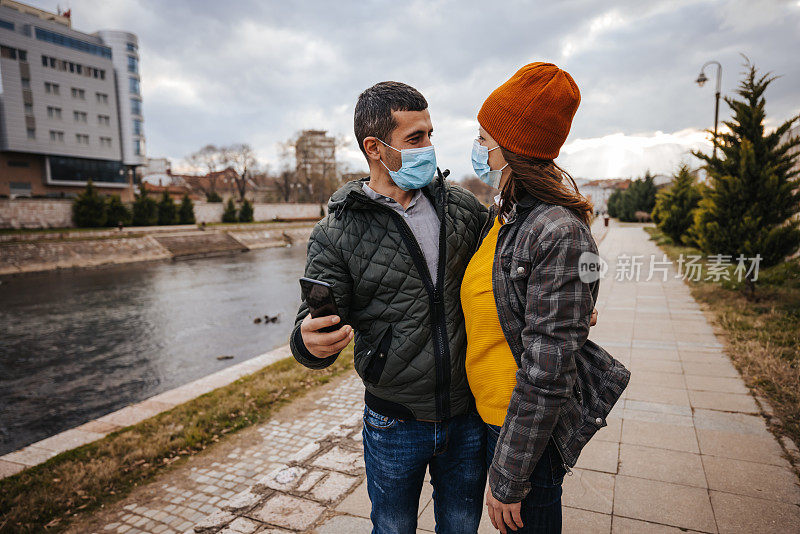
[(410, 342)]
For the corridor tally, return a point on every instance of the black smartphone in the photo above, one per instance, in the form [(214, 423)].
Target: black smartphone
[(318, 296)]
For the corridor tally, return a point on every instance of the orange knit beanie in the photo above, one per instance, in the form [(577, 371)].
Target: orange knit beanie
[(532, 112)]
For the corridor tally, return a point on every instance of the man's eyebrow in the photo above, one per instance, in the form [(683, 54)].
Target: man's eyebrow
[(416, 133)]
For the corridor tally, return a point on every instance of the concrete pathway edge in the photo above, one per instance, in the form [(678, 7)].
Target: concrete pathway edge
[(42, 450)]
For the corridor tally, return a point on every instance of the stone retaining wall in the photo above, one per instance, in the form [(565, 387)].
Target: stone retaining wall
[(57, 213), (62, 254)]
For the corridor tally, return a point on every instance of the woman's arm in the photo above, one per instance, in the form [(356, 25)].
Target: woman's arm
[(558, 310)]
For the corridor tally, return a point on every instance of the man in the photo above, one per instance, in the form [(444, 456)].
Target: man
[(395, 246)]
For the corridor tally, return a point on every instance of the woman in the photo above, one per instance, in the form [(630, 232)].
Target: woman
[(539, 386)]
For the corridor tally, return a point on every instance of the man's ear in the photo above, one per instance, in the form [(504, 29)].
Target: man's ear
[(372, 148)]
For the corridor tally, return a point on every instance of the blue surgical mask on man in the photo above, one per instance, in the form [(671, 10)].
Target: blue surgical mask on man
[(417, 170), (480, 164)]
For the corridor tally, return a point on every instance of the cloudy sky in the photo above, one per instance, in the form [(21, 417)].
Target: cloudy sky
[(258, 71)]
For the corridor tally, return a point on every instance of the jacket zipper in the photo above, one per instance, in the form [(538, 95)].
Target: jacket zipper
[(436, 299), (563, 461)]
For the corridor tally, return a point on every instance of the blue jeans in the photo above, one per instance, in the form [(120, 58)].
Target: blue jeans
[(397, 454), (541, 509)]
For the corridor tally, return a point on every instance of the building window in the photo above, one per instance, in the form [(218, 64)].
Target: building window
[(132, 47), (57, 136), (138, 147), (20, 189), (133, 65), (53, 112), (65, 169), (78, 93), (8, 52), (133, 86), (28, 109), (137, 127), (10, 25), (71, 42), (102, 98), (136, 106), (104, 120), (26, 83), (79, 116), (105, 141), (51, 88), (31, 133), (82, 139)]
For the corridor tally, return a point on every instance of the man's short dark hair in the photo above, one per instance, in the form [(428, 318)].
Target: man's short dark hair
[(373, 116)]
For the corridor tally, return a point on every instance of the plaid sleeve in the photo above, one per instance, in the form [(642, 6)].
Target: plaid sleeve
[(557, 315)]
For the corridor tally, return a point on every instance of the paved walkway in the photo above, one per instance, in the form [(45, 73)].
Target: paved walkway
[(178, 500), (684, 450)]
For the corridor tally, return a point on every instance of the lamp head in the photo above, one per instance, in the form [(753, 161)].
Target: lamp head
[(701, 79)]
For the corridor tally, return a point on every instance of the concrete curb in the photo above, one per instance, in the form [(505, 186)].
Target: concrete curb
[(43, 450)]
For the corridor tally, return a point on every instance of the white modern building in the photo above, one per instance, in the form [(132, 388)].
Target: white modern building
[(70, 106)]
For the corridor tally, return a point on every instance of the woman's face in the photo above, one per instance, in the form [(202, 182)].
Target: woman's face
[(496, 159)]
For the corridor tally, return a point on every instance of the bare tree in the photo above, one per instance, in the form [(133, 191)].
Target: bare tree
[(210, 159), (242, 159)]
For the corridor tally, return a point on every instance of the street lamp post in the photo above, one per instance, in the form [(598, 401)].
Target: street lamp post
[(701, 79)]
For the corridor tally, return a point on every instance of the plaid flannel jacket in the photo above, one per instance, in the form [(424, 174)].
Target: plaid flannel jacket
[(566, 385)]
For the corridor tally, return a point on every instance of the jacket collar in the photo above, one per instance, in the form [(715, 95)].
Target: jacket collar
[(351, 195)]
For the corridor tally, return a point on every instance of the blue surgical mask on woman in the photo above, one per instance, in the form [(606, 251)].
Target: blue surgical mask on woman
[(417, 170), (480, 164)]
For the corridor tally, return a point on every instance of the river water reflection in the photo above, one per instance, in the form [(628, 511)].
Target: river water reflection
[(76, 345)]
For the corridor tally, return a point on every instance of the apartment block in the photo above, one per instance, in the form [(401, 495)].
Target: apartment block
[(70, 106)]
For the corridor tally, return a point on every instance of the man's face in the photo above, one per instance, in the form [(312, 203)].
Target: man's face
[(414, 130)]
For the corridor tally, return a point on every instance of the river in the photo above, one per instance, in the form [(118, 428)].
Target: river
[(76, 345)]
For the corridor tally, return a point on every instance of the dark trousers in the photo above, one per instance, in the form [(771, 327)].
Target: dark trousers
[(541, 509)]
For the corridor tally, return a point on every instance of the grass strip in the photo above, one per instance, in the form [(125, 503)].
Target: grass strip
[(51, 495), (763, 334)]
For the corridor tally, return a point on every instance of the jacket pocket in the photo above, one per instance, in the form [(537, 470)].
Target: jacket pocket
[(376, 356)]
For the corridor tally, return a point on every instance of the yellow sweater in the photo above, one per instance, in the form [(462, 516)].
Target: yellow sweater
[(491, 369)]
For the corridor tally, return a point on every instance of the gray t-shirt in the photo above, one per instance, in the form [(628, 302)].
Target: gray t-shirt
[(421, 218)]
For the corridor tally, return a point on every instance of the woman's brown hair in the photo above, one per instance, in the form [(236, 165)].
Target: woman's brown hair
[(544, 180)]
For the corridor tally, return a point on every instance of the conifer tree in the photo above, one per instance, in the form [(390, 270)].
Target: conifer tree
[(751, 198), (229, 215), (145, 209), (186, 211), (89, 208), (167, 211), (675, 205), (246, 212)]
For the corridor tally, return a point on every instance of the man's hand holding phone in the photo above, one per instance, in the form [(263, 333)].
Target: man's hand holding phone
[(324, 344)]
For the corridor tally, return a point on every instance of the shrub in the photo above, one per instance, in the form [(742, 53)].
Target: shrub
[(229, 215), (674, 211), (213, 196), (246, 212), (89, 208), (186, 211), (145, 210), (116, 212), (167, 211)]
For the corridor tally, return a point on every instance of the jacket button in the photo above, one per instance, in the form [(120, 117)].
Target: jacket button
[(599, 421), (520, 270)]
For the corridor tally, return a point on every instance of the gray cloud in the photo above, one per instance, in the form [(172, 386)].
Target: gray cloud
[(257, 72)]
